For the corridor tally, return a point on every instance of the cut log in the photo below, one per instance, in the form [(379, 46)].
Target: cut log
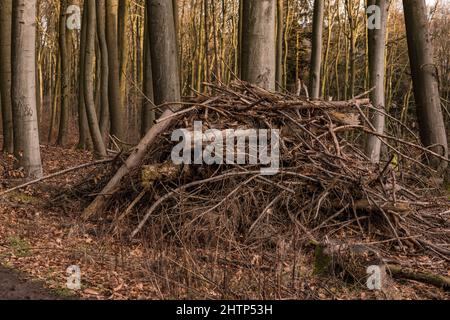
[(400, 207), (365, 205), (166, 171)]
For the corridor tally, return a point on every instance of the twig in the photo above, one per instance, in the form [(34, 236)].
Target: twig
[(57, 174)]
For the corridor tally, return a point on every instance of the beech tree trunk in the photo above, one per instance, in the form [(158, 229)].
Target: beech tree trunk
[(258, 56), (26, 141), (5, 74), (425, 80), (104, 98), (65, 51), (377, 72), (89, 70), (280, 40), (148, 114), (164, 52), (316, 53), (167, 87), (83, 127), (115, 107), (124, 49)]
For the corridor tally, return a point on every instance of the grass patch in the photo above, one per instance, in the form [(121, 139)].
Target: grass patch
[(20, 247), (24, 198)]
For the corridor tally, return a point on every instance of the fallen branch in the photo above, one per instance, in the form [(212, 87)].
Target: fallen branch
[(98, 205), (54, 175), (424, 277)]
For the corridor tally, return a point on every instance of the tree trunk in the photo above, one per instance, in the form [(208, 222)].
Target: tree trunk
[(166, 87), (124, 49), (97, 140), (65, 51), (259, 42), (83, 128), (148, 114), (316, 53), (425, 80), (280, 39), (5, 74), (377, 71), (115, 107), (27, 148), (104, 98), (163, 48)]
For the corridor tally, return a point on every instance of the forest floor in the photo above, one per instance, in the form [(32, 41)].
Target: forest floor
[(41, 241), (14, 286)]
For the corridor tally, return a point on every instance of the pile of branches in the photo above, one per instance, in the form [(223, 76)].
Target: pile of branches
[(326, 186)]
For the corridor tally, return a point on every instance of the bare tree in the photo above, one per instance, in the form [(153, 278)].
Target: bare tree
[(316, 53), (83, 127), (377, 72), (148, 113), (425, 80), (65, 51), (123, 42), (26, 148), (280, 39), (115, 107), (104, 77), (166, 84), (5, 74), (163, 48), (89, 71), (258, 56)]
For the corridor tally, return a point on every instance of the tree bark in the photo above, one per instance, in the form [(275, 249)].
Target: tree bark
[(164, 52), (65, 51), (259, 42), (97, 140), (104, 98), (425, 80), (377, 72), (316, 53), (166, 87), (280, 39), (83, 128), (26, 148), (124, 49), (115, 107), (148, 114), (5, 74)]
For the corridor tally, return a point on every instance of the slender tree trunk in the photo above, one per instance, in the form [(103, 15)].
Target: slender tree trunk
[(316, 53), (27, 148), (65, 51), (163, 48), (97, 140), (5, 74), (377, 71), (280, 39), (123, 49), (104, 98), (54, 104), (83, 128), (206, 39), (148, 114), (425, 80), (259, 42), (166, 88), (115, 108)]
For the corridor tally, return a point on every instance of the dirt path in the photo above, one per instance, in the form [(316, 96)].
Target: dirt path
[(13, 286)]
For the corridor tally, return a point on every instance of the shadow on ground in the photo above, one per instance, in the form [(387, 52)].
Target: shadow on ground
[(14, 286)]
